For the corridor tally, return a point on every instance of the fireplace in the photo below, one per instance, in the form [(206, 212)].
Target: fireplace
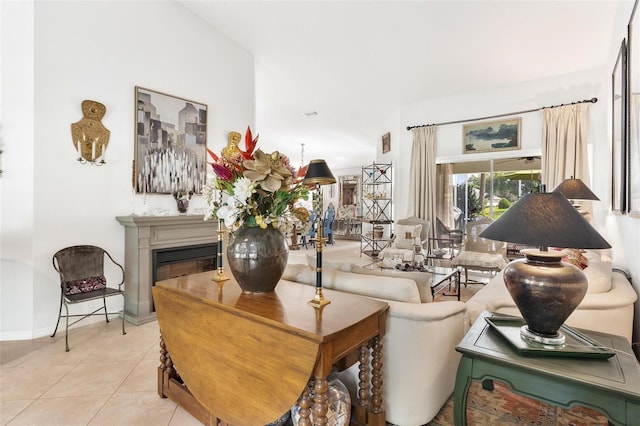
[(162, 247), (180, 261)]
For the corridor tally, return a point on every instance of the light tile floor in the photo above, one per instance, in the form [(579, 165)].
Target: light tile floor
[(106, 378)]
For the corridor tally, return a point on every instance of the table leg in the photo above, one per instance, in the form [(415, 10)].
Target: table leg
[(362, 404), (377, 415), (457, 275), (305, 408), (320, 401), (463, 381)]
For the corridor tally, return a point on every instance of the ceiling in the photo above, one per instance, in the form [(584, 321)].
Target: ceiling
[(356, 62)]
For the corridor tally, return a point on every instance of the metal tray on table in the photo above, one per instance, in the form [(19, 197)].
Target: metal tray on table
[(577, 345)]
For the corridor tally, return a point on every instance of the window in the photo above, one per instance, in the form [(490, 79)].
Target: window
[(484, 188)]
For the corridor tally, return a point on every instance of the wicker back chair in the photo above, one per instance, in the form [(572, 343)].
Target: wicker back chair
[(82, 279)]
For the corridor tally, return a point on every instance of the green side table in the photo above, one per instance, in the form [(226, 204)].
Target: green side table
[(611, 386)]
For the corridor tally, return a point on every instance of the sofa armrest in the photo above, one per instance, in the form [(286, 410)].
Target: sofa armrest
[(420, 361), (620, 295)]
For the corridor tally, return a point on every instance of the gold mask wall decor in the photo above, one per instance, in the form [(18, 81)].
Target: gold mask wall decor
[(90, 137)]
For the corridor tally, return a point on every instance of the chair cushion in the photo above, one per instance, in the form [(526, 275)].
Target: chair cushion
[(470, 259), (405, 236), (86, 285)]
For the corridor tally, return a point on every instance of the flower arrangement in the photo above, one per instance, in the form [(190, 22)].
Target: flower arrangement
[(261, 189)]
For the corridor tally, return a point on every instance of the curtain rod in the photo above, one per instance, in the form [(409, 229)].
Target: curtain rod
[(592, 101)]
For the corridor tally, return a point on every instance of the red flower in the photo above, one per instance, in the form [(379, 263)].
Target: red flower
[(249, 143)]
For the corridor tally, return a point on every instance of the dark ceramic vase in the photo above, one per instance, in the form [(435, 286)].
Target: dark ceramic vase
[(257, 258), (545, 290)]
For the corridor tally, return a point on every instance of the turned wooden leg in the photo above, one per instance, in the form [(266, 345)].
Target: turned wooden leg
[(161, 368), (305, 408), (377, 417), (363, 386), (321, 401)]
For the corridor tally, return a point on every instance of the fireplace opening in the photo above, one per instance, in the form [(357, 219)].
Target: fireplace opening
[(180, 261)]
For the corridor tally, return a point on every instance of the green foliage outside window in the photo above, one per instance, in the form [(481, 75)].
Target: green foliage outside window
[(509, 191)]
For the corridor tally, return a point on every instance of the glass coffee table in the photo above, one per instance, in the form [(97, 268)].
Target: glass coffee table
[(444, 279)]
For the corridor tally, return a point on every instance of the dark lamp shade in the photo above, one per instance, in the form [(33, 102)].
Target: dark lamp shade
[(575, 189), (545, 220), (318, 173)]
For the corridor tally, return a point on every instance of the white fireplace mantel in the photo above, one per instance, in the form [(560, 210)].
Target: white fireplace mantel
[(143, 234)]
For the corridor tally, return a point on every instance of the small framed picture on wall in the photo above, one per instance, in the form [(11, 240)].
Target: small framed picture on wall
[(386, 142)]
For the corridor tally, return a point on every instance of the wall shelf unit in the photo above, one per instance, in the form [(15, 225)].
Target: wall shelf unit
[(377, 219)]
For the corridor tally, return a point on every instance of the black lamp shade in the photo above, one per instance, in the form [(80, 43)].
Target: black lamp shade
[(545, 220), (575, 189), (318, 173)]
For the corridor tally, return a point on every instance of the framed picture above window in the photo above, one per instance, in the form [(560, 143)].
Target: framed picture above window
[(170, 143), (489, 136)]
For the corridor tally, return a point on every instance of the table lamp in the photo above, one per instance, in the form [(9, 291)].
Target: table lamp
[(220, 275), (545, 290), (318, 174), (575, 189)]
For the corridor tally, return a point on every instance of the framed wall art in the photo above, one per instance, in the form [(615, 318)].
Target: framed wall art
[(619, 131), (632, 159), (386, 142), (170, 143), (489, 136)]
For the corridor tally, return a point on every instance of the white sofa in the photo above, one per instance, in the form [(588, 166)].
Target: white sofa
[(420, 361), (607, 306)]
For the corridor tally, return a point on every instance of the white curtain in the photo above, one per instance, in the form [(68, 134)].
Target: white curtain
[(564, 144), (422, 177), (444, 193)]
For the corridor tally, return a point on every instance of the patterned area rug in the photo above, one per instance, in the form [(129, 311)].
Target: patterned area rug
[(503, 407)]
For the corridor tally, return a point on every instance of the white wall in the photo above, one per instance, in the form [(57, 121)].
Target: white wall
[(16, 183), (622, 231), (526, 96), (60, 54)]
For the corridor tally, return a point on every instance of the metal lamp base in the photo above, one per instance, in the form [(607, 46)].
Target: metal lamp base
[(546, 291), (220, 276), (556, 340), (318, 300)]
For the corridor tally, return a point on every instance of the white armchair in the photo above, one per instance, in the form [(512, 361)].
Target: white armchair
[(405, 233), (479, 253)]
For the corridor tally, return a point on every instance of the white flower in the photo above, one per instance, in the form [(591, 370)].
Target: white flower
[(242, 190), (228, 214)]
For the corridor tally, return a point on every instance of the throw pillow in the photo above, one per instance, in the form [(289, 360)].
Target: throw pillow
[(397, 289), (576, 258), (343, 266), (292, 270), (405, 235), (422, 279), (85, 285), (598, 274)]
